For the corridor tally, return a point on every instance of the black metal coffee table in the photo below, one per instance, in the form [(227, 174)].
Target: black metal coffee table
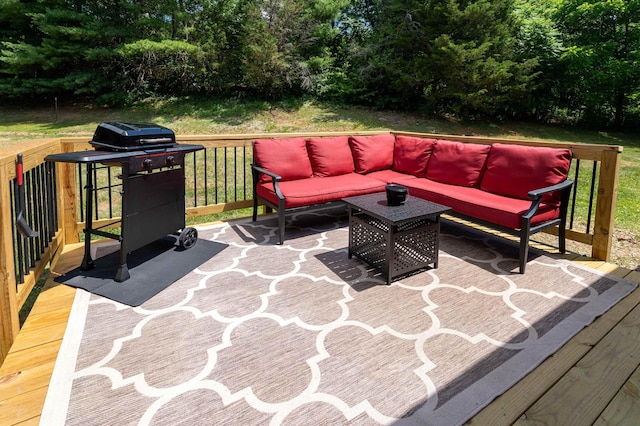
[(394, 239)]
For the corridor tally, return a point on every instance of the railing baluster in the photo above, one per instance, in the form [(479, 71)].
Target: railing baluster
[(206, 184), (575, 193), (29, 242), (215, 173), (40, 196), (109, 195), (235, 173), (32, 196), (54, 198), (591, 195), (195, 180), (95, 193), (80, 192), (51, 199), (225, 175)]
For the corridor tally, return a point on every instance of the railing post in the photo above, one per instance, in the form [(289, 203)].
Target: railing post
[(9, 312), (606, 204), (67, 199)]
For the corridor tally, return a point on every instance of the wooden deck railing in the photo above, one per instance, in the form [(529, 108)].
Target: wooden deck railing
[(219, 180)]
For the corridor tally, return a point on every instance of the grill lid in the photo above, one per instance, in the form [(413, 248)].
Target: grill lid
[(118, 136)]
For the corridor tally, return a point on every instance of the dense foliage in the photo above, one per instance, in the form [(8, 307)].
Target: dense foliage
[(574, 60)]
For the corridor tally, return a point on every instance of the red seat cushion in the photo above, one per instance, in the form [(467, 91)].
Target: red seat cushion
[(390, 176), (330, 156), (411, 155), (371, 153), (514, 170), (307, 192), (474, 202), (285, 157), (457, 163)]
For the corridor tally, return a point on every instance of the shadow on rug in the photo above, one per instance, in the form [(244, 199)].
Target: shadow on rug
[(153, 268)]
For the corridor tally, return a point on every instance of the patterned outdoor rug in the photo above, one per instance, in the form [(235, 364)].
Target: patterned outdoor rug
[(299, 334)]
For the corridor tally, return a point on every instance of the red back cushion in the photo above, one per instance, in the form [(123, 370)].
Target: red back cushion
[(411, 155), (285, 157), (330, 156), (457, 163), (514, 170), (372, 153)]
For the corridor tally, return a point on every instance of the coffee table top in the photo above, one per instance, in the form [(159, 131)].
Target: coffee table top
[(413, 208)]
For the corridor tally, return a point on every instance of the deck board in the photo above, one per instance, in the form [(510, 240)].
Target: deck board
[(43, 329), (624, 409), (34, 421), (582, 394), (26, 372), (601, 363), (22, 407)]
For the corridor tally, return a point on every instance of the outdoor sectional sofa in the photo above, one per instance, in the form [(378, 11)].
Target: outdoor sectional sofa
[(515, 188)]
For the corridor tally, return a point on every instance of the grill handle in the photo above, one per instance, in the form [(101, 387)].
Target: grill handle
[(156, 140)]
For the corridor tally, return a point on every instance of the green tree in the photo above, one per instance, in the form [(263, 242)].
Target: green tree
[(601, 58), (448, 55), (288, 45), (14, 22), (111, 48), (350, 35), (66, 52), (539, 40)]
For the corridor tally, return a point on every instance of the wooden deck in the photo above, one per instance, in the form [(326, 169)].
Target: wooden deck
[(593, 380)]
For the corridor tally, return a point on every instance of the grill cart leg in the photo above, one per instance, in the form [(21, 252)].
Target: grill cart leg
[(87, 261), (122, 274), (123, 270)]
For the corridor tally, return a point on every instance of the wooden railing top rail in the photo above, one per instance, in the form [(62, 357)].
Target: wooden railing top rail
[(33, 153), (581, 150)]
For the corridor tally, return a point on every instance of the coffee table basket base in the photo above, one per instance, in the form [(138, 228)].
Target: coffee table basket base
[(404, 248)]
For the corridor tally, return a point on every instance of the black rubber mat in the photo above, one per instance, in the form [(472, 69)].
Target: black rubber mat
[(152, 268)]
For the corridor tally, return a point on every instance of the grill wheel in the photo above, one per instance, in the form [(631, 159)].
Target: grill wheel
[(188, 238)]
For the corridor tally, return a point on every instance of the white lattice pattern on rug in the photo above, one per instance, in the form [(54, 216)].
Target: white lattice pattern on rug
[(269, 334)]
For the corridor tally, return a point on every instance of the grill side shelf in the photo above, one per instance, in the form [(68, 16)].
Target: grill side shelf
[(93, 156)]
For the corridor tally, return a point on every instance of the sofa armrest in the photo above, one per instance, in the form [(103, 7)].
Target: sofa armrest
[(536, 197), (255, 170), (538, 193)]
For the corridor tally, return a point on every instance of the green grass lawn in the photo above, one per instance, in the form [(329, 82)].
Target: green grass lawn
[(210, 116)]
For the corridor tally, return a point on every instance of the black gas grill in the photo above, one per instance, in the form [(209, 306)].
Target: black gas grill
[(153, 186)]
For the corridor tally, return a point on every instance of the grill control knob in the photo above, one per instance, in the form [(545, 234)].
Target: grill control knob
[(170, 161), (147, 165)]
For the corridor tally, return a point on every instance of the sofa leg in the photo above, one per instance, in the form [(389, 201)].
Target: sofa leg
[(524, 252), (524, 244), (281, 226), (255, 208), (281, 220), (562, 246)]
